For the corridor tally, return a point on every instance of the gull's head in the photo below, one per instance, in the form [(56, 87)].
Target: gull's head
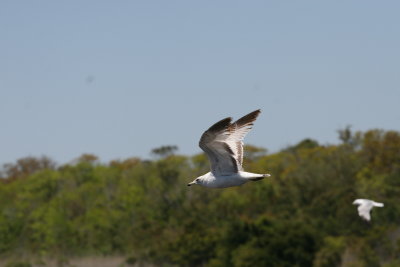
[(357, 202), (198, 180)]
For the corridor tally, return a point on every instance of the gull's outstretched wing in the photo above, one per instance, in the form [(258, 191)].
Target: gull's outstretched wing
[(377, 204), (223, 143), (364, 210)]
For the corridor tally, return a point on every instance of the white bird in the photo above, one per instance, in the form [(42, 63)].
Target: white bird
[(365, 206), (223, 145)]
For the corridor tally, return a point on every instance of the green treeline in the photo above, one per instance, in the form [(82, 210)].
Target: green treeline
[(301, 216)]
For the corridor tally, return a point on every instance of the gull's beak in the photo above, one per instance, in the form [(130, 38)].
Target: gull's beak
[(189, 184)]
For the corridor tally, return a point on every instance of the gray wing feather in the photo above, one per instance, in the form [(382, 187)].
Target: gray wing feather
[(222, 143), (364, 211), (220, 155)]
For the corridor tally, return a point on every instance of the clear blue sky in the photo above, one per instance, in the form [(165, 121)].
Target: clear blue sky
[(119, 78)]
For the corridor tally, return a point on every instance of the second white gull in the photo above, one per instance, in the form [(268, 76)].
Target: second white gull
[(365, 206)]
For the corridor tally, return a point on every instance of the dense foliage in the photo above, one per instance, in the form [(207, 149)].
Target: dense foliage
[(301, 216)]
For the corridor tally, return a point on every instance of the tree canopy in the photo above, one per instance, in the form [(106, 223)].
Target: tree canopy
[(300, 216)]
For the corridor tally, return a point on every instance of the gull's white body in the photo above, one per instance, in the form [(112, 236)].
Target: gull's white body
[(365, 206), (235, 179), (223, 144)]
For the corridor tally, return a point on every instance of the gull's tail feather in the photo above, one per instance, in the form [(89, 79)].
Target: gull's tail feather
[(258, 178)]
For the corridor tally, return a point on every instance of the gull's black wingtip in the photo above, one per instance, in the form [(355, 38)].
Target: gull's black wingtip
[(249, 118)]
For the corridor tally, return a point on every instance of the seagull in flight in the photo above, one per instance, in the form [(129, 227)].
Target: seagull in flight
[(223, 144), (365, 206)]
